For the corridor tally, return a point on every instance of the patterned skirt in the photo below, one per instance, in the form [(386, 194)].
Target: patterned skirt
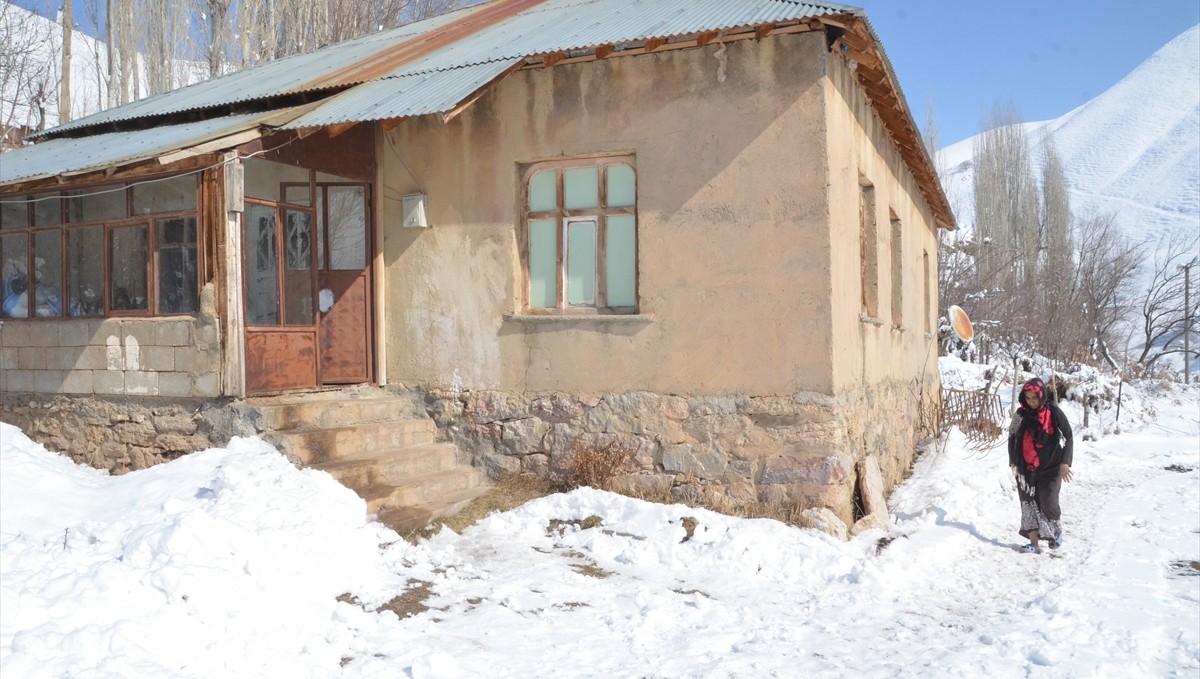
[(1040, 512)]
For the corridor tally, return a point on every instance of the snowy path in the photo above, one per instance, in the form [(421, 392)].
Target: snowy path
[(232, 563), (1127, 519)]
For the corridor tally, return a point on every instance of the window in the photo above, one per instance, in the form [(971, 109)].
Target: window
[(868, 240), (580, 236), (119, 249), (928, 298), (897, 272)]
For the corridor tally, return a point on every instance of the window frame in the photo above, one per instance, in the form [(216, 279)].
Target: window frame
[(563, 217), (66, 227)]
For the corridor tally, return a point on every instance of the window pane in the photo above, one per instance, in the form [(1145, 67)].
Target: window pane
[(14, 260), (176, 194), (620, 262), (347, 227), (261, 266), (96, 204), (581, 263), (176, 242), (582, 188), (47, 273), (265, 179), (622, 187), (14, 215), (296, 193), (85, 271), (299, 276), (47, 210), (322, 229), (128, 254), (543, 264), (543, 192)]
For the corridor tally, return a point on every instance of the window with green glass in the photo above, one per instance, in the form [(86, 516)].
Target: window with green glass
[(580, 235)]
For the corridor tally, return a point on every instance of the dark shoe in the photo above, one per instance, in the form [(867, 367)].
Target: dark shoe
[(1056, 542)]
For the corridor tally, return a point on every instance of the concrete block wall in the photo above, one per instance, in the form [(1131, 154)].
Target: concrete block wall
[(172, 357)]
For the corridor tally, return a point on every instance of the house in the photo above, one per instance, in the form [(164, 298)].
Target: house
[(704, 230)]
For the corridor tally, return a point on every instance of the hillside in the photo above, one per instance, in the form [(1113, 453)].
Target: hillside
[(1133, 151)]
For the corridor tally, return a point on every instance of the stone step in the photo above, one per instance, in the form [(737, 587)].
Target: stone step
[(408, 519), (420, 490), (315, 446), (391, 465), (317, 412)]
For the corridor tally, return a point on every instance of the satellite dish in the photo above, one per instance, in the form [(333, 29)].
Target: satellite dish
[(961, 324)]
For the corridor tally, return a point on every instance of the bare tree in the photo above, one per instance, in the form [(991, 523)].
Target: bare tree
[(28, 78), (1163, 314), (211, 21), (1056, 326), (165, 32), (1006, 216), (1102, 288)]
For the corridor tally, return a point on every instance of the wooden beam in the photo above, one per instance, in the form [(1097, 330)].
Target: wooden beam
[(763, 31), (654, 43), (833, 22), (861, 57), (226, 142), (335, 130), (603, 51), (705, 38), (391, 123), (552, 59)]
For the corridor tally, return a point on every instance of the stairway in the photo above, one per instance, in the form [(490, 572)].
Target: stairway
[(376, 447)]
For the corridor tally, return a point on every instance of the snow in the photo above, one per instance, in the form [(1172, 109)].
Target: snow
[(1130, 152), (230, 562)]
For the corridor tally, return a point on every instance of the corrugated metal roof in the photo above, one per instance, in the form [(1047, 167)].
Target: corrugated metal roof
[(56, 157), (406, 95), (549, 27), (449, 75), (289, 75)]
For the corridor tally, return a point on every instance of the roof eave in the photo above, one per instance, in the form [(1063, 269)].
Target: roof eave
[(853, 38)]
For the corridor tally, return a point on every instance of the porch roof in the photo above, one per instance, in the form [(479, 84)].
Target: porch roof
[(68, 156)]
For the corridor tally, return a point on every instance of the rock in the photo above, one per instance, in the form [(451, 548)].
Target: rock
[(824, 520), (703, 460), (870, 522), (870, 486), (689, 525)]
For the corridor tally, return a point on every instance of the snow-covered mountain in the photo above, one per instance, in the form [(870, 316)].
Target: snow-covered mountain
[(1133, 151)]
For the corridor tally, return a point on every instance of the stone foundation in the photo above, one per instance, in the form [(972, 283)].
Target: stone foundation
[(801, 449), (805, 449), (121, 434)]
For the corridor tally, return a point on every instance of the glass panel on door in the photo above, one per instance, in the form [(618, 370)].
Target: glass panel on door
[(299, 275), (347, 227), (261, 266)]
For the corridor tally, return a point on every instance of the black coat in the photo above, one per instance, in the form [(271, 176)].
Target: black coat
[(1053, 449)]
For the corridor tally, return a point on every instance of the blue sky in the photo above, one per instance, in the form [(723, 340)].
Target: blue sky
[(1046, 56)]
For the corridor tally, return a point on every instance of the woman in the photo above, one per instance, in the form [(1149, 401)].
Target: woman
[(1039, 453)]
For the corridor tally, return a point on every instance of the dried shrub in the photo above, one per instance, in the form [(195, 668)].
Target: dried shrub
[(597, 464)]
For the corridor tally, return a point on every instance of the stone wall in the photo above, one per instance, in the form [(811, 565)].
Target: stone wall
[(171, 356), (801, 449), (122, 434)]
